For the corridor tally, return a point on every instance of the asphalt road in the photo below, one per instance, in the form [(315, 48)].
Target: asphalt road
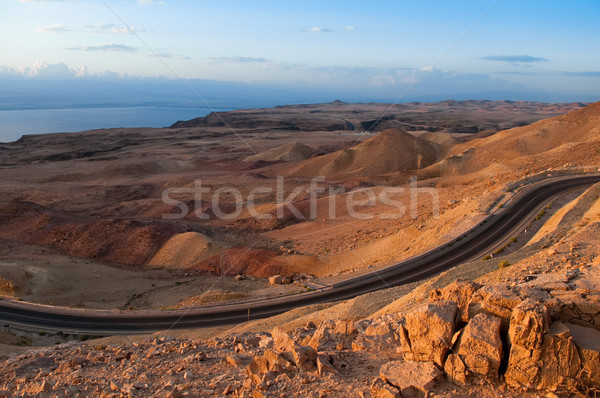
[(483, 239)]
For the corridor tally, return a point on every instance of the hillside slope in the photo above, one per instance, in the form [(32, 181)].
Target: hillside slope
[(572, 139), (390, 151)]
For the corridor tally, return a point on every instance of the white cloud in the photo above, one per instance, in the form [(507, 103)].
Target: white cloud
[(350, 28), (168, 55), (316, 29), (238, 60), (44, 70), (53, 29), (55, 71), (36, 1), (105, 47), (514, 59), (111, 29)]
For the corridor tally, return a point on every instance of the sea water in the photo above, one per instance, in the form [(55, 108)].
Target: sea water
[(16, 123)]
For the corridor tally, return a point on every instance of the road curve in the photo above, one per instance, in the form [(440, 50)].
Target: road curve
[(496, 229)]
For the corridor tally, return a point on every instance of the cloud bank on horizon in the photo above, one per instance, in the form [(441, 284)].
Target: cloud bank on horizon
[(529, 47)]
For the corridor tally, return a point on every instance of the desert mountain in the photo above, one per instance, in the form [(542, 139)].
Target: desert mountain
[(572, 138), (389, 151), (291, 152), (444, 139)]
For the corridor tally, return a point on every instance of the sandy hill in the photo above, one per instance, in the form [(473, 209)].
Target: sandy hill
[(184, 249), (389, 151), (443, 139), (291, 152), (573, 139)]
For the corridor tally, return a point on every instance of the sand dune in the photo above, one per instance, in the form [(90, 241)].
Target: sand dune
[(388, 152)]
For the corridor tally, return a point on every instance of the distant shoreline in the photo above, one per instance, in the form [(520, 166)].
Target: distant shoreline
[(16, 123)]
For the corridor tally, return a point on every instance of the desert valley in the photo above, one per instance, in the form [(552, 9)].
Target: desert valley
[(254, 205)]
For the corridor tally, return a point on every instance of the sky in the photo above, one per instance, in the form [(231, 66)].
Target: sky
[(397, 49)]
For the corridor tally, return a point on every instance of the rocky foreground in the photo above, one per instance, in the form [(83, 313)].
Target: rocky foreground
[(535, 336)]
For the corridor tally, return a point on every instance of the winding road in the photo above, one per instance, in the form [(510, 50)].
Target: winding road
[(491, 233)]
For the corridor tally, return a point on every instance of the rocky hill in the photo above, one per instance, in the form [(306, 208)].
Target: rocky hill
[(389, 151), (573, 139)]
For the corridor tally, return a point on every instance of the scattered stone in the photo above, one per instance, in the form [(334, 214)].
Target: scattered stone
[(236, 360), (381, 389), (455, 369), (413, 379), (276, 280), (43, 387), (277, 363), (115, 386), (324, 365), (304, 357), (330, 333), (265, 342)]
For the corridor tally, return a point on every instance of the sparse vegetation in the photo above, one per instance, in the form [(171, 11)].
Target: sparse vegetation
[(503, 264), (540, 214)]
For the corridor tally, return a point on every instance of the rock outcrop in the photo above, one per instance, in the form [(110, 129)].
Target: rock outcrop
[(460, 292), (430, 328), (528, 324), (479, 350)]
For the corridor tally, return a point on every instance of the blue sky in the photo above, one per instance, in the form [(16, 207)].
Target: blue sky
[(518, 46)]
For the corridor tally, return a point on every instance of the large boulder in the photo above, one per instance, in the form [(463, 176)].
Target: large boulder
[(460, 291), (528, 323), (413, 379), (479, 350), (560, 359), (496, 300), (587, 340), (429, 330)]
